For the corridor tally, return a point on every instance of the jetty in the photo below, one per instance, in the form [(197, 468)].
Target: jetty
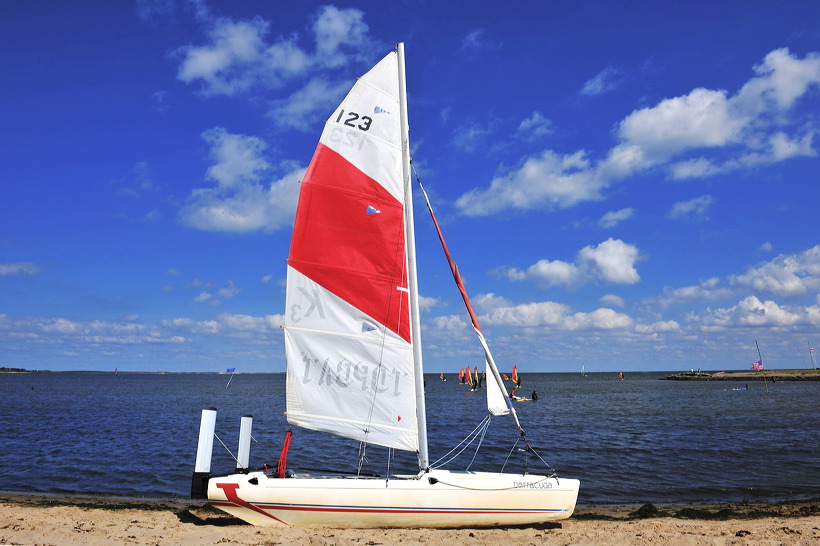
[(768, 375)]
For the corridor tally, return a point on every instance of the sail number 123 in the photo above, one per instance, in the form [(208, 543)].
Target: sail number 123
[(352, 119)]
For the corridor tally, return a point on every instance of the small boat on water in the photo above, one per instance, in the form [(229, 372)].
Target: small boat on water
[(354, 353)]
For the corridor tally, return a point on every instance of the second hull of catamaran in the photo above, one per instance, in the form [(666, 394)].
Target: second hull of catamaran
[(438, 498)]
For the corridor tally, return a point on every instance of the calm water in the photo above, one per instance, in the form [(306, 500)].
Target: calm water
[(638, 440)]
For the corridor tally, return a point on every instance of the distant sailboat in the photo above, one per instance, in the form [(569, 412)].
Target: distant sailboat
[(583, 373)]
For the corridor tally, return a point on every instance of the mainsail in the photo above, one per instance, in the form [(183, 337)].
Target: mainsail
[(347, 325)]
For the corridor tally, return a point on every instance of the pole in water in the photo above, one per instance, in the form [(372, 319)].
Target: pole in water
[(244, 452), (204, 450)]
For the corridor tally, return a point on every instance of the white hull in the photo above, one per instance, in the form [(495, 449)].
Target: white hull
[(437, 498)]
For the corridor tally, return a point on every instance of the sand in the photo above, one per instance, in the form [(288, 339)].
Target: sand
[(41, 520)]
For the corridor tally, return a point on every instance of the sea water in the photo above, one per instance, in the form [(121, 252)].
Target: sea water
[(628, 441)]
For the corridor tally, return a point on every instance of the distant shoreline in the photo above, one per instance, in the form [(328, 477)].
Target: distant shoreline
[(767, 375)]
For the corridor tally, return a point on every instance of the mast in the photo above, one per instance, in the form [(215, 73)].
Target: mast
[(412, 276)]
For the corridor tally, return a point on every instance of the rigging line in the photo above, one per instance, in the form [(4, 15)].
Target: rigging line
[(459, 486), (465, 442), (226, 448), (540, 457), (462, 446), (491, 366), (399, 254), (260, 444), (480, 441)]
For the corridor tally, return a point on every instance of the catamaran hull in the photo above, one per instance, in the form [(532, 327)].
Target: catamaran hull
[(434, 499)]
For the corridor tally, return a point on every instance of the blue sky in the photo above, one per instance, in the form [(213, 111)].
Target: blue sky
[(629, 186)]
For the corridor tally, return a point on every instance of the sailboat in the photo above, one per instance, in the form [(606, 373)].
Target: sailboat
[(353, 346)]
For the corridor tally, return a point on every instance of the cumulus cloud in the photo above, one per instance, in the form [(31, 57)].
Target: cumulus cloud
[(752, 312), (242, 200), (239, 58), (789, 276), (556, 316), (612, 261), (548, 181), (65, 331), (701, 133)]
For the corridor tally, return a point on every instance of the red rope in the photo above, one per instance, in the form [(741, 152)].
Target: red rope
[(282, 467)]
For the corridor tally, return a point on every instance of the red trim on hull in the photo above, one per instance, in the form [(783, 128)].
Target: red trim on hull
[(230, 493)]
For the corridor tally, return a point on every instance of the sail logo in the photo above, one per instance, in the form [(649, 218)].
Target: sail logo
[(345, 374), (380, 110), (315, 305), (532, 485), (372, 210)]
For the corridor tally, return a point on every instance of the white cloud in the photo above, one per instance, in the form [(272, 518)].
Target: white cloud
[(20, 268), (238, 158), (694, 210), (547, 181), (239, 59), (600, 319), (753, 312), (534, 127), (297, 111), (658, 327), (611, 300), (709, 290), (240, 202), (611, 261), (474, 44), (527, 315), (615, 217), (790, 276), (555, 316), (755, 126), (486, 302), (231, 63), (427, 303), (84, 332), (603, 82), (340, 34), (547, 273), (470, 136)]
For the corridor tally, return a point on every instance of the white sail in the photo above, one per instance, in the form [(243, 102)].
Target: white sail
[(347, 325)]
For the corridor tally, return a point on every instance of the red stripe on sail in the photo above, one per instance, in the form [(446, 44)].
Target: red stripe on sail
[(348, 236)]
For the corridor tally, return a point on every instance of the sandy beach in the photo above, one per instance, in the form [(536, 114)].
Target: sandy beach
[(31, 519)]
